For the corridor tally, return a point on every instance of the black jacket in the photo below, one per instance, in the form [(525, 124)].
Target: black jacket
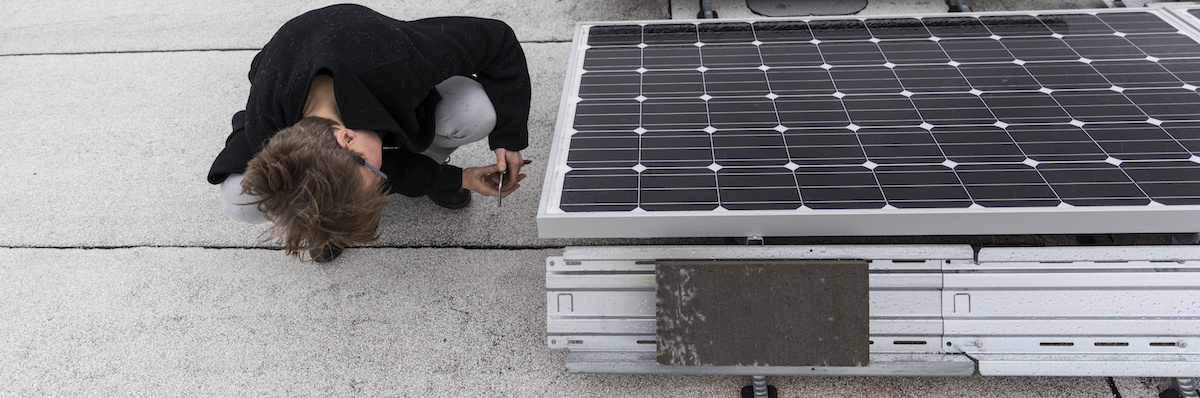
[(384, 72)]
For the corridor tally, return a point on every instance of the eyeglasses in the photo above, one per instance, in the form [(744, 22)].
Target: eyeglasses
[(372, 168)]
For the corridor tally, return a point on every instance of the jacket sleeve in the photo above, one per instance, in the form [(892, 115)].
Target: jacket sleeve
[(235, 155), (412, 174), (252, 127), (488, 49)]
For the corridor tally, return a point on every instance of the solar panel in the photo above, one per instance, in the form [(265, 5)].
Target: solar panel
[(1070, 122)]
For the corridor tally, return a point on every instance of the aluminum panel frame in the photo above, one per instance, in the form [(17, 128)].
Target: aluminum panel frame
[(1123, 366), (880, 365), (1076, 311), (919, 325), (602, 299)]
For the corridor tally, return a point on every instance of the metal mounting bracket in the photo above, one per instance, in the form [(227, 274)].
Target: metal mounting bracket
[(958, 6), (753, 240), (706, 10)]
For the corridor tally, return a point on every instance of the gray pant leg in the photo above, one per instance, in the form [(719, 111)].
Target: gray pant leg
[(464, 115), (232, 200)]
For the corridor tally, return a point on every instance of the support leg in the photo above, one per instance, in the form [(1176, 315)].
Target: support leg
[(760, 386), (706, 10), (958, 6), (759, 389), (1185, 387)]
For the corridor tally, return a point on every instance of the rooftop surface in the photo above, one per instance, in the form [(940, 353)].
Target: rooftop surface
[(124, 278)]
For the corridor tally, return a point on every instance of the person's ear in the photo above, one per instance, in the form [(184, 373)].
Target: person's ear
[(344, 136)]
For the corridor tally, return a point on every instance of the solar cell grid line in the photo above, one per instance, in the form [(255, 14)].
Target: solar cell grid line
[(895, 147), (1051, 114)]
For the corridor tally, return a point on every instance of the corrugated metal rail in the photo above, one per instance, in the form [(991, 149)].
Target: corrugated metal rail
[(935, 310)]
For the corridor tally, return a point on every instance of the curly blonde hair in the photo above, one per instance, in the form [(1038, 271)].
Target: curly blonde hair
[(310, 188)]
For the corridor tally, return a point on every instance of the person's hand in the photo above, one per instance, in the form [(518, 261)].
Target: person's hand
[(509, 161), (484, 180)]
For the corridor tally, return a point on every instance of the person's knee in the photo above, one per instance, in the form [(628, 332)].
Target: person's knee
[(466, 114), (481, 122)]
